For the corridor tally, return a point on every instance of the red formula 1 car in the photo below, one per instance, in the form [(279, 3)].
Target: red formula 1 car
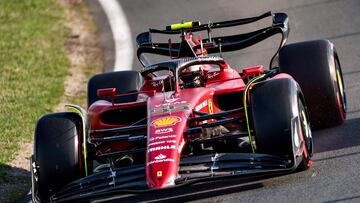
[(192, 117)]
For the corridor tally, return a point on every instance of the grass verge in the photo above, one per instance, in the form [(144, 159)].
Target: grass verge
[(38, 48), (33, 65)]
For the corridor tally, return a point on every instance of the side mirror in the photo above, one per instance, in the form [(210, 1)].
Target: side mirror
[(253, 71), (106, 93)]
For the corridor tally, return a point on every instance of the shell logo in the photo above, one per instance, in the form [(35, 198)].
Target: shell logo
[(166, 121)]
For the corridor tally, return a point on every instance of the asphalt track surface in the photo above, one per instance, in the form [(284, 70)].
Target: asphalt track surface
[(335, 176)]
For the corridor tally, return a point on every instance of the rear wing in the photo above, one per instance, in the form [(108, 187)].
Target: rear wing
[(280, 25)]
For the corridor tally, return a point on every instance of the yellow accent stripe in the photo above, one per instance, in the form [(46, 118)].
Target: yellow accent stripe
[(304, 116), (340, 83), (179, 26), (84, 135), (253, 147)]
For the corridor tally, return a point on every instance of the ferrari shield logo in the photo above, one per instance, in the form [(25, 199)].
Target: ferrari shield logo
[(210, 104)]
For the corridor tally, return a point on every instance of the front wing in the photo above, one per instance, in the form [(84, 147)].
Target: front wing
[(192, 169)]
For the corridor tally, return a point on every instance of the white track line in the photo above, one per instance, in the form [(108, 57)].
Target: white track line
[(124, 52)]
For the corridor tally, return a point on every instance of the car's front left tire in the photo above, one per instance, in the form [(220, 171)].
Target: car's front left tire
[(280, 122)]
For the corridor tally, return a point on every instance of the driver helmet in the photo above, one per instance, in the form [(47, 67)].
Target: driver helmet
[(192, 76)]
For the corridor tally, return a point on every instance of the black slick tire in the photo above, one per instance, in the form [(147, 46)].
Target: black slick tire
[(123, 81), (276, 107), (57, 153), (316, 67)]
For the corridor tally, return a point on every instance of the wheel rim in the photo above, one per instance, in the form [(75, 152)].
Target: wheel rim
[(340, 86), (305, 125)]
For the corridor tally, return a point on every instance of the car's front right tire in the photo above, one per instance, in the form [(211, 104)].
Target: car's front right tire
[(57, 158)]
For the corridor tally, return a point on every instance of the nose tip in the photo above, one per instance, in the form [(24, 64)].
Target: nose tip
[(161, 179)]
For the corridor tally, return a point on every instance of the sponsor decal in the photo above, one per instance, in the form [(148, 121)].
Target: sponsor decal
[(213, 75), (170, 104), (185, 107), (168, 108), (171, 100), (210, 104), (157, 83), (201, 105), (160, 161), (166, 121), (165, 147), (164, 130), (160, 156), (164, 137), (159, 174), (156, 143)]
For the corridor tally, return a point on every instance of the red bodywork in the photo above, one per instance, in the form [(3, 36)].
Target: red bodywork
[(167, 115)]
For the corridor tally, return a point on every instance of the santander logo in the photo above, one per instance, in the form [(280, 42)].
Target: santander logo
[(160, 156)]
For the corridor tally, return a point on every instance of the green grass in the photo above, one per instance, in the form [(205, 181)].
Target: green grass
[(33, 65)]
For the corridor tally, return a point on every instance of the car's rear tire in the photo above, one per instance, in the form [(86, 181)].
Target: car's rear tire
[(276, 107), (57, 153), (316, 67), (123, 81)]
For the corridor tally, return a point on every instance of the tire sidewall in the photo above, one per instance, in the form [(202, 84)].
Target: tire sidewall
[(273, 109)]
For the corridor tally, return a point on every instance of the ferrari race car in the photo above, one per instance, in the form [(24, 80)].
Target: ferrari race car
[(191, 117)]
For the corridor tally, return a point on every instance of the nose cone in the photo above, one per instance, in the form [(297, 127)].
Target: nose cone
[(164, 145), (162, 171)]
